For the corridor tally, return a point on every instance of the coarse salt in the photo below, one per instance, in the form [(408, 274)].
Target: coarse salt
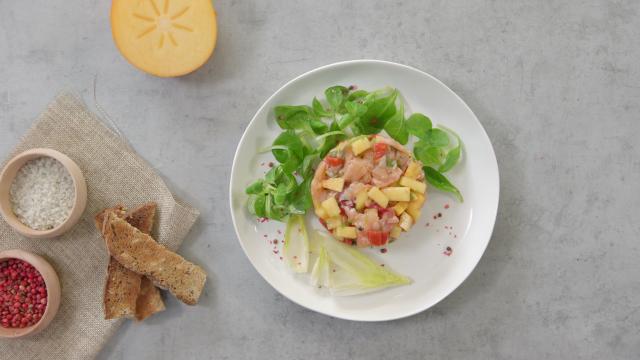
[(42, 193)]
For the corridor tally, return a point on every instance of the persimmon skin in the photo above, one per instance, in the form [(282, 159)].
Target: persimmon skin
[(165, 38)]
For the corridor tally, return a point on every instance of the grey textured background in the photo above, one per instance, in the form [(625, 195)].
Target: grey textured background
[(555, 83)]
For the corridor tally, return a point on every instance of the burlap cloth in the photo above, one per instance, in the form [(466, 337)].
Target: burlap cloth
[(114, 173)]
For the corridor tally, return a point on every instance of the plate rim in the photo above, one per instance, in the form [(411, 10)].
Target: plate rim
[(494, 161)]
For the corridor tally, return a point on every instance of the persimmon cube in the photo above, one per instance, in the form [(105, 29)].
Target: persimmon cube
[(417, 197), (397, 193), (415, 206), (361, 145), (413, 170), (415, 185), (406, 221), (331, 207), (378, 196), (335, 184), (348, 232), (414, 212), (361, 199), (400, 207), (334, 222)]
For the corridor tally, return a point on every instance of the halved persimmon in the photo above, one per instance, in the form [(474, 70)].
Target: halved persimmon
[(165, 38)]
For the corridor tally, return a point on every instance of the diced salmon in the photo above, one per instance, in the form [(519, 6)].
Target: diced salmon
[(361, 173), (363, 239), (382, 175), (352, 191), (357, 169), (388, 221)]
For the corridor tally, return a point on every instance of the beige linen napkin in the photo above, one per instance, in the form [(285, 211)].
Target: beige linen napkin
[(114, 174)]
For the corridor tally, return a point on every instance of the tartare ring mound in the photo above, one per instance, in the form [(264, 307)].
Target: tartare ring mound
[(368, 190)]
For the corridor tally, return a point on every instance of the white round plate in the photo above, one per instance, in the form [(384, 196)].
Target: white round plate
[(465, 228)]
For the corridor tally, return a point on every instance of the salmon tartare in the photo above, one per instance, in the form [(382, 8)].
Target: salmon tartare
[(368, 190)]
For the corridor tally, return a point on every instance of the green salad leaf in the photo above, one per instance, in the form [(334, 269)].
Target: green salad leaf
[(357, 94), (428, 155), (289, 150), (379, 111), (396, 127), (309, 133), (293, 117), (435, 137), (318, 109), (418, 125), (255, 188), (439, 181), (336, 95), (329, 142), (301, 199), (355, 109), (453, 155)]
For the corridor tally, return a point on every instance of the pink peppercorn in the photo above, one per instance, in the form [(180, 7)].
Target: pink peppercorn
[(23, 294)]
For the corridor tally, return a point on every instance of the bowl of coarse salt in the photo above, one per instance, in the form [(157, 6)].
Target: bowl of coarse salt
[(42, 193)]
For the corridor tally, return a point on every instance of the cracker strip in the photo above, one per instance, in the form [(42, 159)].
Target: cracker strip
[(149, 299), (138, 252), (127, 294), (122, 286)]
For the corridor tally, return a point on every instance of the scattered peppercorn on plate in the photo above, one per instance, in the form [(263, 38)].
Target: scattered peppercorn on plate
[(364, 190)]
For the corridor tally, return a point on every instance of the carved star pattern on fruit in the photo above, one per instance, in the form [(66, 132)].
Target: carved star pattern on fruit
[(164, 37), (163, 22)]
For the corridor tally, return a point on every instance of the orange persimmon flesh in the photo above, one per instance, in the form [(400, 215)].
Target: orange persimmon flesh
[(165, 38)]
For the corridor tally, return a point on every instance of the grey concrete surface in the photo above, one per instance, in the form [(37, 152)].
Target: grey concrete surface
[(555, 83)]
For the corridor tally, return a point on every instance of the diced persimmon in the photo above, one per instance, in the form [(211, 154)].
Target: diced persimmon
[(334, 222), (335, 184), (399, 193), (413, 170), (347, 232), (406, 221), (361, 145), (361, 200), (415, 185), (331, 207), (400, 207), (378, 196)]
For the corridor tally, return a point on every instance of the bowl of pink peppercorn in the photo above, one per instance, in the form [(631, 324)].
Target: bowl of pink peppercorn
[(29, 293)]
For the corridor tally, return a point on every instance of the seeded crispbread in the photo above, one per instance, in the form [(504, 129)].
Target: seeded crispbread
[(123, 283), (120, 211), (122, 287), (121, 291), (140, 253), (142, 217), (149, 300)]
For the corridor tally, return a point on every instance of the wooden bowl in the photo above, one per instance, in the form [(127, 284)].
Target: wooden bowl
[(53, 292), (9, 173)]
